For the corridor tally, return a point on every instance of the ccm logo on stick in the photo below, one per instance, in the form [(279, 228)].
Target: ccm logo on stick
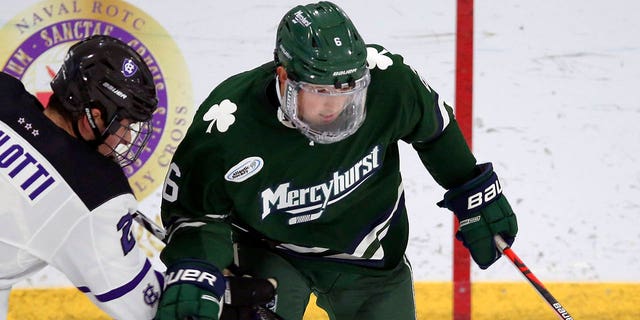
[(485, 196)]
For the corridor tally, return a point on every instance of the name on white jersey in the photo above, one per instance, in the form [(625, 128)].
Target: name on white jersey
[(22, 169)]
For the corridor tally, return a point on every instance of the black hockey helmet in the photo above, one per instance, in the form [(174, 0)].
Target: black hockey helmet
[(102, 71)]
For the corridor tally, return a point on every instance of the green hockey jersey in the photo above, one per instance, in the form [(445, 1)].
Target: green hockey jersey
[(240, 164)]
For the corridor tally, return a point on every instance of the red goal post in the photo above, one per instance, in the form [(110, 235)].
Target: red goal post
[(464, 116)]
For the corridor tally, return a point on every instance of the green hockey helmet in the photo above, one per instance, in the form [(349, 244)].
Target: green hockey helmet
[(326, 62), (317, 43)]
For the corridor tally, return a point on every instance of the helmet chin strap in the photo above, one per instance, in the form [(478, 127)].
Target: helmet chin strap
[(284, 120), (94, 127)]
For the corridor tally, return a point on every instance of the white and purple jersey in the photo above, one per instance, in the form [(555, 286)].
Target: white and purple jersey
[(65, 205)]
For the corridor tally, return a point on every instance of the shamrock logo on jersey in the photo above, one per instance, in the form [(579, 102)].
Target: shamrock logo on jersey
[(375, 58), (222, 115)]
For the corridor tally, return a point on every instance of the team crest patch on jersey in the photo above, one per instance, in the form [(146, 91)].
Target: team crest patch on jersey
[(244, 170), (151, 294), (378, 59), (222, 115)]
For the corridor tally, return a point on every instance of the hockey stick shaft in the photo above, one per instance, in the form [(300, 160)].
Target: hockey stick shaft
[(266, 314), (149, 225), (560, 311)]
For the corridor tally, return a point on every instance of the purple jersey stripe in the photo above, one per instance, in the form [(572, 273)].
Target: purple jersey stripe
[(124, 289), (160, 277)]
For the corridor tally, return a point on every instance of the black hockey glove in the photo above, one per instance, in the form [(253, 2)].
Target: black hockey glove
[(483, 212), (249, 298), (194, 289)]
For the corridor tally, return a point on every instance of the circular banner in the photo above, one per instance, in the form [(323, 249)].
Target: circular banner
[(35, 42)]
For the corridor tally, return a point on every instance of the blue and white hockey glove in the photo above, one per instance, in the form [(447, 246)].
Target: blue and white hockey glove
[(483, 212), (194, 289)]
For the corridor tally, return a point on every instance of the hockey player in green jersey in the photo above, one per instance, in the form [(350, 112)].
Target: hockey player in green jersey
[(291, 171)]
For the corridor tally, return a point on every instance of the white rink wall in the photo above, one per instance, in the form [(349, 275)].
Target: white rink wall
[(556, 109)]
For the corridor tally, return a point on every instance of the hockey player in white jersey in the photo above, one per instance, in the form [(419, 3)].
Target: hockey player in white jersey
[(65, 199)]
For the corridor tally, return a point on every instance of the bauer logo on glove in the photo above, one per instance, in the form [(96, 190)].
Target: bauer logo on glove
[(483, 211), (485, 196)]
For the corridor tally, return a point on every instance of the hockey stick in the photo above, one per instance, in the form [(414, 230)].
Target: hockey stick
[(150, 225), (546, 295), (263, 313)]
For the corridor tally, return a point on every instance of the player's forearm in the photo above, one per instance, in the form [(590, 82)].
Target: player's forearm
[(448, 158), (196, 240)]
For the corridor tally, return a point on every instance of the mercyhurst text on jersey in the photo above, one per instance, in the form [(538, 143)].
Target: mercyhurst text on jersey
[(303, 200)]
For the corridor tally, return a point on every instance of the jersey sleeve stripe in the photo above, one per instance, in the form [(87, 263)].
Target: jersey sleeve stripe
[(444, 115), (160, 278), (124, 289)]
